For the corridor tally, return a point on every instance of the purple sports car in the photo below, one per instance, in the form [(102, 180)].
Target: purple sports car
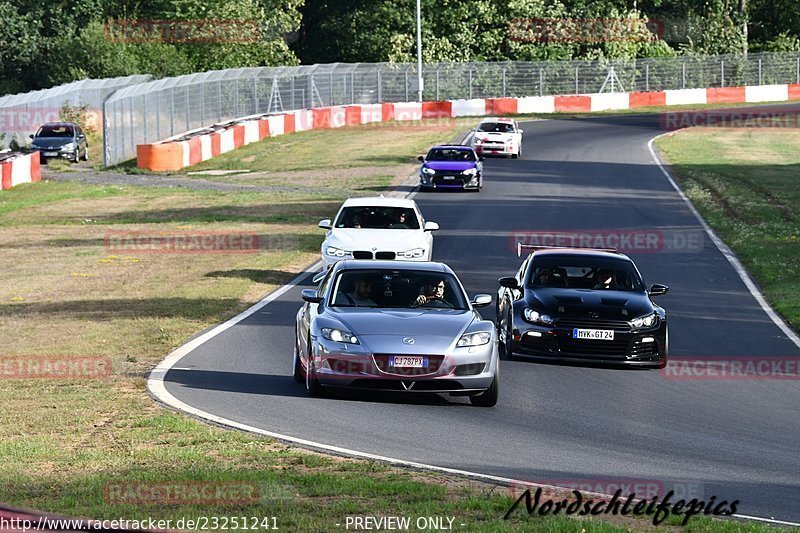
[(451, 167)]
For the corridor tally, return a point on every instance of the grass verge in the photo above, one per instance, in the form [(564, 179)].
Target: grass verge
[(746, 184)]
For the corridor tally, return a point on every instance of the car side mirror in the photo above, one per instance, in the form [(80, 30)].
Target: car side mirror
[(431, 226), (81, 136), (310, 296), (31, 135), (421, 159), (481, 158), (325, 224), (509, 282), (657, 290), (481, 300), (520, 131)]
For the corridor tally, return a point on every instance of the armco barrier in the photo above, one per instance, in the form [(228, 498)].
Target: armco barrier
[(23, 168), (179, 153)]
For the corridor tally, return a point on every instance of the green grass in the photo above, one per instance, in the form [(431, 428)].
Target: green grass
[(746, 184)]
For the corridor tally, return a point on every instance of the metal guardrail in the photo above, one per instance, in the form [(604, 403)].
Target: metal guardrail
[(153, 111)]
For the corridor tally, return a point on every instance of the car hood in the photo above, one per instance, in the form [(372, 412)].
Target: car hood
[(577, 303), (459, 166), (435, 331), (51, 142), (396, 240), (493, 135)]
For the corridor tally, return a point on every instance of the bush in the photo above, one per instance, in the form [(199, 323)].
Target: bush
[(76, 114)]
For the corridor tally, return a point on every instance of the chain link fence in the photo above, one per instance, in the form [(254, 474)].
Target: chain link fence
[(165, 108), (22, 114)]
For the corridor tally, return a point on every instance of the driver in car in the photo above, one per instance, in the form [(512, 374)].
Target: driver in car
[(400, 222), (433, 295), (361, 295)]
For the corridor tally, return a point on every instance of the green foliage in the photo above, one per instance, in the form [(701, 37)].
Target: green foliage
[(76, 114)]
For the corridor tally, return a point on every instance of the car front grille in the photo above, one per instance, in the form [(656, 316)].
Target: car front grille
[(434, 363), (615, 348), (589, 323), (363, 254), (439, 181)]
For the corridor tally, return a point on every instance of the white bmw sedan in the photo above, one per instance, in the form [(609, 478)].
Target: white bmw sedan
[(378, 228)]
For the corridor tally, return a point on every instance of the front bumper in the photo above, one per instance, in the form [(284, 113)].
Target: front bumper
[(380, 255), (495, 149), (449, 181), (55, 153), (353, 367), (646, 348)]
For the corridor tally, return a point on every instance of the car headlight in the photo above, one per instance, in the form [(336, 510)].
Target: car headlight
[(428, 171), (647, 321), (536, 317), (470, 172), (339, 335), (337, 252), (474, 339), (414, 253), (68, 146)]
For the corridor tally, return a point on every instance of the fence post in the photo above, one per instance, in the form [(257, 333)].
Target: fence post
[(144, 121), (203, 104), (647, 77), (504, 82), (380, 92), (188, 118), (158, 116), (236, 112), (405, 76), (576, 80), (219, 100), (722, 72), (133, 132), (255, 96), (122, 126), (292, 89), (683, 75), (759, 71), (172, 111), (541, 81), (470, 84), (330, 88), (437, 83), (352, 88)]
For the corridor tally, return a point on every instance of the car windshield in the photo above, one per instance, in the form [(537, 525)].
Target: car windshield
[(55, 131), (406, 289), (496, 127), (450, 154), (384, 217), (584, 272)]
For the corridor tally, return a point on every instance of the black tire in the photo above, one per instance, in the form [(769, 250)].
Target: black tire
[(299, 375), (313, 388), (488, 398), (86, 154), (514, 156), (77, 157), (507, 347)]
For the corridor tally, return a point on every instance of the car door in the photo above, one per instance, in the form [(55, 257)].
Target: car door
[(308, 312)]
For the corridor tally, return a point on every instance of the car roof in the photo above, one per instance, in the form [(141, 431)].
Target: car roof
[(498, 119), (428, 266), (59, 124), (378, 201), (452, 147), (576, 252)]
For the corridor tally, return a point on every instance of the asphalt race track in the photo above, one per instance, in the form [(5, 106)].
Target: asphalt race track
[(736, 440)]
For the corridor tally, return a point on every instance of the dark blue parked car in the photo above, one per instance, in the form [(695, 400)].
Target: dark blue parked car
[(61, 140), (451, 167)]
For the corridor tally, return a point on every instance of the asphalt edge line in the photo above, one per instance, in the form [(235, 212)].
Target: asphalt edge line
[(725, 249), (156, 387)]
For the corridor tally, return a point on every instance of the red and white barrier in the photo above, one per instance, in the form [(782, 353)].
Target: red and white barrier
[(24, 168), (179, 154)]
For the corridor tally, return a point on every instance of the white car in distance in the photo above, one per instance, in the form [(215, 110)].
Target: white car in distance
[(378, 228), (497, 136)]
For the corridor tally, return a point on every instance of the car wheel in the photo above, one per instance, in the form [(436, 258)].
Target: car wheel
[(515, 156), (297, 364), (86, 154), (507, 351), (488, 398), (77, 157), (313, 388)]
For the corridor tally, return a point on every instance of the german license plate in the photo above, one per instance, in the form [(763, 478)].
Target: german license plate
[(50, 154), (593, 334), (408, 361)]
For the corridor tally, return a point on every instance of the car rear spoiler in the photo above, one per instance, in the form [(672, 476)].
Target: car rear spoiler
[(534, 247)]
